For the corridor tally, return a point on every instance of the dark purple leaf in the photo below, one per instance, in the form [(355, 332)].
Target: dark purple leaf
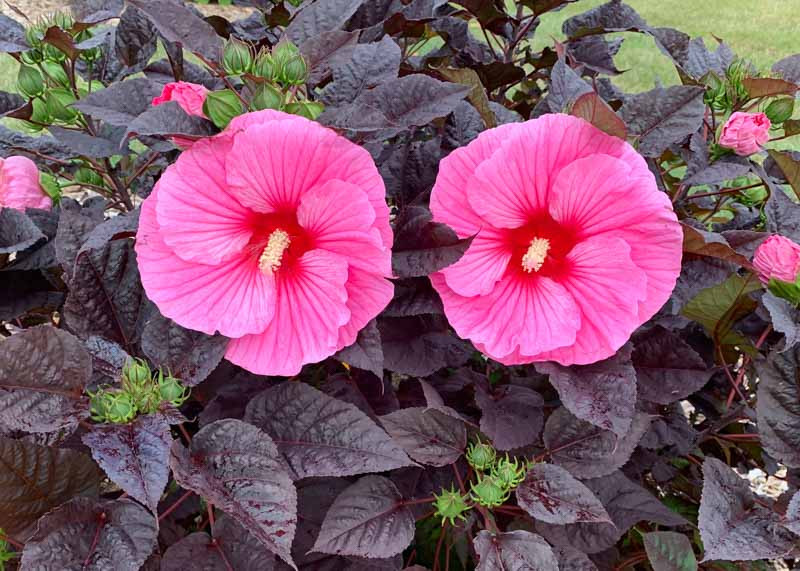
[(367, 519), (24, 291), (367, 352), (12, 36), (237, 467), (792, 519), (108, 358), (420, 345), (326, 51), (84, 534), (169, 119), (43, 372), (135, 456), (186, 354), (725, 168), (319, 17), (411, 169), (462, 126), (370, 65), (672, 429), (35, 479), (232, 547), (84, 144), (74, 225), (42, 255), (603, 393), (778, 406), (783, 215), (663, 116), (427, 435), (511, 415), (121, 103), (43, 149), (613, 16), (667, 368), (373, 395), (697, 242), (789, 68), (17, 231), (513, 551), (565, 87), (669, 551), (733, 525), (570, 559), (422, 246), (550, 493), (135, 38), (177, 23), (785, 318), (322, 436), (625, 501), (586, 450), (414, 296)]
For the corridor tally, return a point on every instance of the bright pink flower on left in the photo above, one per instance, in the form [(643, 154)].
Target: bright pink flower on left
[(274, 233), (19, 185), (190, 96)]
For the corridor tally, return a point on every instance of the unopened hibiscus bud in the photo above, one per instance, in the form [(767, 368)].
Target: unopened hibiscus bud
[(450, 505), (137, 373), (780, 110), (509, 473), (120, 408), (489, 492), (282, 54), (481, 456), (264, 66), (39, 115), (53, 54), (222, 106), (171, 390), (267, 97), (295, 71), (777, 261), (745, 133), (308, 109), (35, 33), (19, 184), (190, 96), (237, 57), (58, 102), (29, 81), (55, 73), (31, 57), (88, 176)]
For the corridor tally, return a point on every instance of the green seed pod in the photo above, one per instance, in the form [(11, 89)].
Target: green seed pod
[(481, 456), (98, 405), (282, 53), (171, 390), (488, 492), (780, 110), (451, 505), (308, 109), (40, 114), (120, 408), (267, 97), (508, 473), (32, 56), (237, 57), (264, 66), (35, 33), (29, 81), (135, 373), (52, 53), (58, 102), (63, 20), (222, 106), (55, 74), (295, 71), (88, 176)]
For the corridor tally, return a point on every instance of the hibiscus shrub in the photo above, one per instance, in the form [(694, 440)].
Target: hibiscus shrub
[(352, 284)]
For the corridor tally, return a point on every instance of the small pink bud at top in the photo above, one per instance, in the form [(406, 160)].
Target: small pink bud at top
[(190, 96), (777, 258), (19, 185), (745, 133)]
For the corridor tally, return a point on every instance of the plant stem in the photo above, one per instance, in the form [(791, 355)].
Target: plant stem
[(174, 506)]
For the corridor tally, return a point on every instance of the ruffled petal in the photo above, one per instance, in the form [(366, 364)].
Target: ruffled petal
[(587, 196), (204, 222), (449, 202), (367, 295), (19, 185), (311, 307), (481, 266), (232, 297), (527, 315), (338, 215)]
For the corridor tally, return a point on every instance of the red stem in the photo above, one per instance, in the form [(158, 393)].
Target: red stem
[(174, 506)]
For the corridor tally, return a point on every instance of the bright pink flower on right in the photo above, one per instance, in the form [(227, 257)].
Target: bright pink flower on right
[(779, 258), (574, 246), (190, 96), (745, 133)]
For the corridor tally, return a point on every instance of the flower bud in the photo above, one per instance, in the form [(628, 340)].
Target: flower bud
[(55, 73), (780, 110), (264, 66), (508, 473), (295, 71), (120, 408), (35, 33), (136, 372), (237, 57), (40, 114), (58, 102), (29, 81), (777, 261), (32, 56), (88, 176), (450, 505), (745, 133), (52, 53), (49, 184), (481, 456), (284, 52), (98, 405), (308, 109), (222, 106), (172, 391), (488, 492), (267, 97)]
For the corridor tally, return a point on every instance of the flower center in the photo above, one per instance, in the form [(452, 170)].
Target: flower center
[(535, 255), (270, 259)]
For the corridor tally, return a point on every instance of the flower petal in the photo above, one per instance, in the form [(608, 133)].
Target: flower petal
[(19, 184), (204, 221), (367, 295), (311, 307), (339, 215), (481, 266), (232, 297), (530, 315)]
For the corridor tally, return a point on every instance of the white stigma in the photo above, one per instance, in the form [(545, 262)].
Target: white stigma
[(537, 252), (270, 259)]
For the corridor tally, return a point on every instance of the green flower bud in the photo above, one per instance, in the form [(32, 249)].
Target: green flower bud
[(29, 81), (237, 57), (488, 492), (267, 97), (780, 110), (283, 53), (52, 53), (264, 66), (295, 71), (98, 405), (451, 505), (222, 106), (295, 3), (481, 456), (508, 473), (120, 408), (35, 33), (135, 373), (50, 186), (172, 390), (55, 73), (40, 114), (58, 102), (308, 109), (63, 20), (32, 56), (88, 176)]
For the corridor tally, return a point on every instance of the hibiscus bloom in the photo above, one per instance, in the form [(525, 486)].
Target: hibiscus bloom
[(777, 258), (274, 233), (19, 185), (574, 246)]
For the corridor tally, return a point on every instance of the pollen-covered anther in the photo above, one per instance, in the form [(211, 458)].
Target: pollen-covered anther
[(270, 259), (535, 256)]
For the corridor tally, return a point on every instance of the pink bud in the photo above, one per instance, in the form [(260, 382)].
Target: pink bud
[(19, 185), (779, 258), (745, 133), (190, 96)]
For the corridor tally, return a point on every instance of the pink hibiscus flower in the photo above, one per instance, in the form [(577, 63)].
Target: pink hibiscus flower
[(745, 133), (190, 96), (19, 185), (274, 233), (574, 245), (779, 258)]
